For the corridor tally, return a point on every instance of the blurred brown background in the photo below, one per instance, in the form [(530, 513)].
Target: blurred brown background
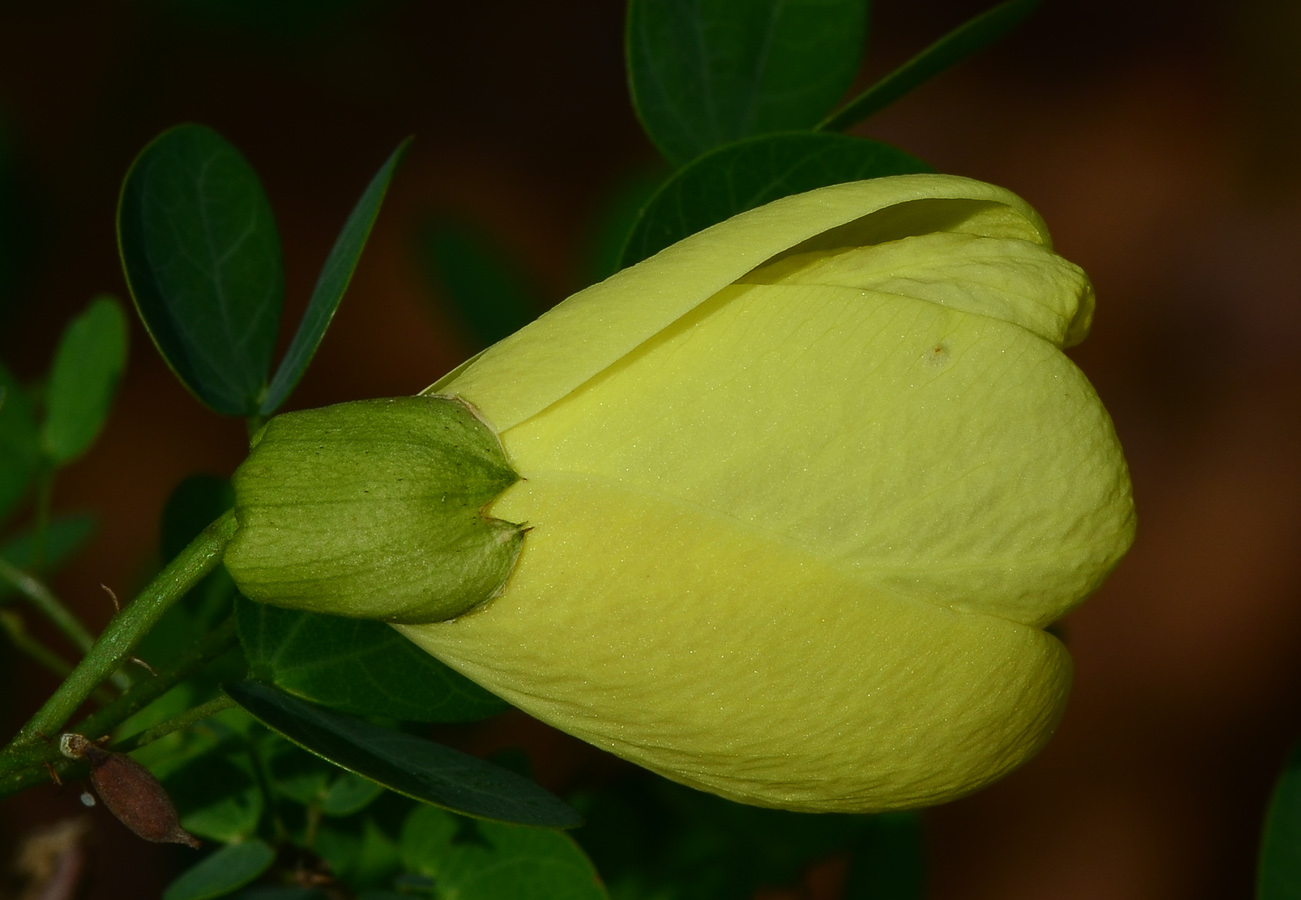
[(1159, 139)]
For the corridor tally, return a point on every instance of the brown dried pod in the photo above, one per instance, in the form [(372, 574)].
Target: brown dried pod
[(129, 791)]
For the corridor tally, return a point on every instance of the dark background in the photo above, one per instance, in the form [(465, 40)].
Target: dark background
[(1158, 138)]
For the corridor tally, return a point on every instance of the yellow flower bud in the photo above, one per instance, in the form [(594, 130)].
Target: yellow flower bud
[(802, 491)]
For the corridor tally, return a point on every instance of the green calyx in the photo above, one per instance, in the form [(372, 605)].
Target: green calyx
[(374, 509)]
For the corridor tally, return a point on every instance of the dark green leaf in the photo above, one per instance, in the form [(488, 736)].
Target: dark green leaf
[(217, 795), (651, 838), (349, 794), (751, 173), (948, 51), (888, 860), (491, 860), (19, 443), (356, 665), (227, 870), (489, 290), (613, 224), (193, 505), (705, 73), (403, 763), (83, 380), (202, 258), (331, 283), (362, 850), (1279, 873), (297, 775)]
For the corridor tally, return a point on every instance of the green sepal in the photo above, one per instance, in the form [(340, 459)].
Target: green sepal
[(374, 509)]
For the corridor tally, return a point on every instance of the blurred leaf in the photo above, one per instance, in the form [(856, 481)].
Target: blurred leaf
[(65, 536), (1279, 872), (298, 775), (332, 283), (217, 795), (202, 258), (750, 173), (651, 838), (83, 380), (486, 286), (228, 731), (705, 73), (194, 504), (613, 224), (362, 850), (19, 443), (349, 794), (309, 780), (490, 860), (227, 870), (403, 763), (948, 51), (889, 860), (357, 666)]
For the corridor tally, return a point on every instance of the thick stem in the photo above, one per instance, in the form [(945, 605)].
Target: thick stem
[(127, 628), (210, 646)]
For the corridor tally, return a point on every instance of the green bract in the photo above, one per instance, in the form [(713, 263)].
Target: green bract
[(373, 509), (801, 492)]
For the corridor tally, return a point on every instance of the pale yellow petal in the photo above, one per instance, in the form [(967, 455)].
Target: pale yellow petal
[(950, 457), (1016, 281), (706, 651), (526, 372)]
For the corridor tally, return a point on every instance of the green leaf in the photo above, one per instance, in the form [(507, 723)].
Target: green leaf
[(362, 850), (1279, 872), (750, 173), (403, 763), (356, 666), (83, 380), (651, 838), (487, 859), (349, 794), (489, 290), (889, 860), (19, 443), (948, 51), (614, 222), (202, 258), (217, 795), (705, 73), (331, 283), (227, 870), (191, 507)]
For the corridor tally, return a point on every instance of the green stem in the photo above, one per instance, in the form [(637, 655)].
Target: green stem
[(210, 646), (44, 600), (176, 723), (127, 628), (21, 767)]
